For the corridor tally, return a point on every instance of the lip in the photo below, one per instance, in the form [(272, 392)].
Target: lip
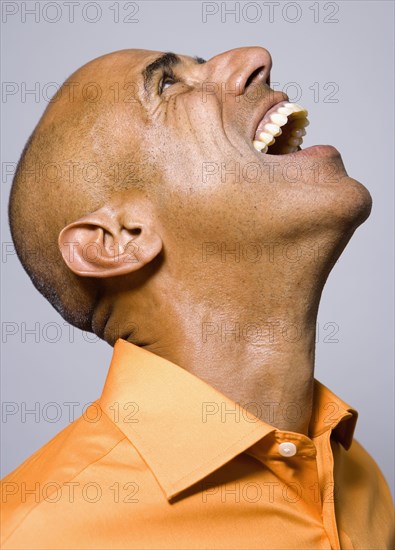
[(276, 98), (317, 151)]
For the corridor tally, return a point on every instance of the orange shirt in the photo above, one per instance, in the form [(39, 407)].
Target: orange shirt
[(163, 460)]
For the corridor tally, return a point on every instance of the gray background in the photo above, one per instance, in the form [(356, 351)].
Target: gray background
[(60, 364)]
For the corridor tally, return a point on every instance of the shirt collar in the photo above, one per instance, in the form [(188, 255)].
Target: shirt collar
[(183, 428), (331, 412)]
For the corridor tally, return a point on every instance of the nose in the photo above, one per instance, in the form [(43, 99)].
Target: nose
[(240, 68)]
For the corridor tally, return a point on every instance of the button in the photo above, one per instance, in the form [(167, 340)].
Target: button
[(287, 448)]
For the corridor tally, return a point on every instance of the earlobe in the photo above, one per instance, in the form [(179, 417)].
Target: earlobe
[(98, 246)]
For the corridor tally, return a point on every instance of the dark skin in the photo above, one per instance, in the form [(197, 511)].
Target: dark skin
[(180, 300)]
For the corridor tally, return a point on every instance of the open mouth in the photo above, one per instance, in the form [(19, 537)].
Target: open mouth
[(281, 130)]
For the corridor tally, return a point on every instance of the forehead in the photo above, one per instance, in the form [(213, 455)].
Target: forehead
[(107, 82), (123, 72), (129, 62)]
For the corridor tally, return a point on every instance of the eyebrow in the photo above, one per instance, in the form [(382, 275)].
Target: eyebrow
[(165, 62)]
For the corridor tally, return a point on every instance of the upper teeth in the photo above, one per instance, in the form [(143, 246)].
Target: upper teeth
[(273, 129), (277, 117), (267, 138)]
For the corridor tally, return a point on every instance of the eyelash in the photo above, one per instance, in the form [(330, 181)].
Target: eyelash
[(165, 78)]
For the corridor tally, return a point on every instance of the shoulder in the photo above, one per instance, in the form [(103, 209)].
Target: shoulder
[(363, 501), (82, 443), (364, 465)]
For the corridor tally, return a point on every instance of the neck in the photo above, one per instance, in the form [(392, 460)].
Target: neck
[(258, 352)]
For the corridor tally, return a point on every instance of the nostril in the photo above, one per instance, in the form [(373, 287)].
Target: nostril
[(256, 77)]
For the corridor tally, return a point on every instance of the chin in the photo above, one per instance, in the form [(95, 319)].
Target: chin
[(354, 202)]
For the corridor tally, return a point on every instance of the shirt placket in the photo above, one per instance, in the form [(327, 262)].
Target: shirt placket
[(305, 467), (325, 467)]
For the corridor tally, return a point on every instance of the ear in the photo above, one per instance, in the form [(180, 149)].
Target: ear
[(108, 243)]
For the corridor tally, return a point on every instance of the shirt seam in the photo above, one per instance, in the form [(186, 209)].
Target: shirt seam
[(39, 452), (63, 483)]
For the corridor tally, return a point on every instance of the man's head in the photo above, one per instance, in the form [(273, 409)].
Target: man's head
[(143, 166)]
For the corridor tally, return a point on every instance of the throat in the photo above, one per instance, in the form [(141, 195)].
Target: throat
[(272, 382), (265, 364)]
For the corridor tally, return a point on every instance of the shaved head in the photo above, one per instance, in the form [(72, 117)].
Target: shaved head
[(74, 161)]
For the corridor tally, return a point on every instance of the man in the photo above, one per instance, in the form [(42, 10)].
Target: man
[(186, 189)]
